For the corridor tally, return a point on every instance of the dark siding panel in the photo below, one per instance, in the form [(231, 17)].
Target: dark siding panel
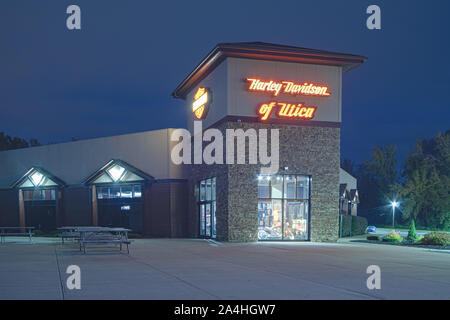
[(77, 206), (146, 194), (178, 209), (9, 208), (159, 212)]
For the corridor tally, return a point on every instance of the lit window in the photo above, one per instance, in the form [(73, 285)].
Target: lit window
[(126, 192), (116, 172), (207, 207), (137, 191), (37, 178), (283, 207), (39, 195)]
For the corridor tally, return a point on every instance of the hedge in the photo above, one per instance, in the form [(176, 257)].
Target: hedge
[(359, 225), (352, 225), (436, 238), (346, 226)]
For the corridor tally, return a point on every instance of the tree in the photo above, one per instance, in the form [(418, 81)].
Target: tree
[(426, 190), (412, 235), (9, 143), (377, 179)]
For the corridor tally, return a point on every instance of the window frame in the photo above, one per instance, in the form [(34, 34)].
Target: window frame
[(212, 203), (99, 189), (284, 200)]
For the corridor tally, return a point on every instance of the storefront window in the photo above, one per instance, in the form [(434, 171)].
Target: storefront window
[(289, 187), (206, 190), (203, 190), (39, 195), (116, 192), (137, 191), (126, 192), (263, 188), (283, 207), (277, 185), (302, 187)]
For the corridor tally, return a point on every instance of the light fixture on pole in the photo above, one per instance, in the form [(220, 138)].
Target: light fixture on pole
[(394, 204)]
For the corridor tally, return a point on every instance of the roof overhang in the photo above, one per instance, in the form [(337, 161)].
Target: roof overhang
[(44, 172), (127, 166), (264, 51)]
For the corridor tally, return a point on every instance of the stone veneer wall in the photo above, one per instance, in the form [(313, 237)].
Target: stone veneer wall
[(305, 150)]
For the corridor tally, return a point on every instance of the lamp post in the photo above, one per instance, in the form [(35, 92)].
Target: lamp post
[(394, 204)]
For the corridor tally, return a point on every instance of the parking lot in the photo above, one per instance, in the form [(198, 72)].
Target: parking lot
[(202, 269)]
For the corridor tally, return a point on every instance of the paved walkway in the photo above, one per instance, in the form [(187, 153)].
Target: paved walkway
[(200, 269)]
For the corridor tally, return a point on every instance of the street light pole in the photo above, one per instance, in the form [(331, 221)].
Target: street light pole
[(393, 217), (393, 204)]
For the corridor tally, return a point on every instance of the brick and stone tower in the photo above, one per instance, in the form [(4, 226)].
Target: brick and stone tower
[(242, 79)]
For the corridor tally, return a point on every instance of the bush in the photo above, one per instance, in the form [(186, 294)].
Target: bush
[(393, 237), (38, 233), (352, 225), (132, 235), (436, 238), (359, 225), (373, 237), (346, 226), (412, 235)]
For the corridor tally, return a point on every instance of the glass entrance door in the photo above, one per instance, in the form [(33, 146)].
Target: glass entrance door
[(206, 197)]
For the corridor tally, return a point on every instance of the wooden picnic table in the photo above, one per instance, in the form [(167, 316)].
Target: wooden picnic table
[(27, 232), (103, 235), (69, 232)]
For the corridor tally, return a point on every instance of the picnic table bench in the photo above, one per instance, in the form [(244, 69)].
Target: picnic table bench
[(103, 235), (69, 232), (19, 231)]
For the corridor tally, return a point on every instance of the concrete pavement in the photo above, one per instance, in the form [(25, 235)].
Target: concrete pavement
[(200, 269)]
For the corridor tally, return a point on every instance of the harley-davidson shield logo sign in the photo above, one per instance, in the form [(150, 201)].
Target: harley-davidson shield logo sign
[(202, 101)]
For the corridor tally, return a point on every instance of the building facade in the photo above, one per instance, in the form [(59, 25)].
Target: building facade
[(131, 180)]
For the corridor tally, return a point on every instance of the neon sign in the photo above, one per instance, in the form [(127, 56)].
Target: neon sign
[(202, 100), (286, 110), (288, 87)]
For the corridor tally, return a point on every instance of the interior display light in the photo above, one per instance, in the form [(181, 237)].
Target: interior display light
[(116, 172), (202, 100), (287, 87), (37, 178)]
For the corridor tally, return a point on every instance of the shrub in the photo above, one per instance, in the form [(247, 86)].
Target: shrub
[(436, 238), (352, 225), (412, 235), (38, 233), (393, 237), (373, 237), (359, 225), (346, 226), (132, 235)]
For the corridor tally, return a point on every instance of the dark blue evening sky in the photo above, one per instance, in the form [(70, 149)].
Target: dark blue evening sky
[(116, 75)]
